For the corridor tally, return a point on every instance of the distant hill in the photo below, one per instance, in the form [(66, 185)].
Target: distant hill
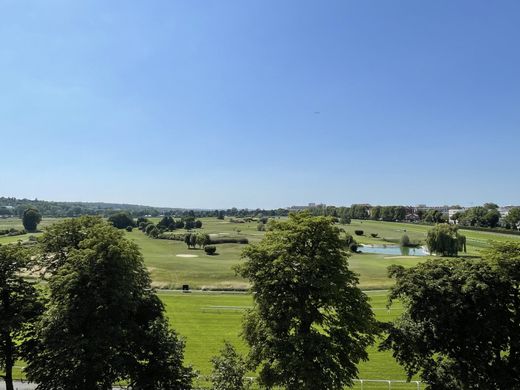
[(15, 207)]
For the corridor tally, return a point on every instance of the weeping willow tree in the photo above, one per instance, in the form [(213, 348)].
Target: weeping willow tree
[(445, 240)]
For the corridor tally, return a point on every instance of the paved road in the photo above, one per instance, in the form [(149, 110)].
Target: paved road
[(25, 386), (19, 385)]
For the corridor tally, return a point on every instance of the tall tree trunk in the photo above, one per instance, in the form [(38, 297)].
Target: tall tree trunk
[(9, 361)]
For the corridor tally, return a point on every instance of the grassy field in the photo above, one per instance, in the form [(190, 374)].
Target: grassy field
[(169, 269), (206, 319)]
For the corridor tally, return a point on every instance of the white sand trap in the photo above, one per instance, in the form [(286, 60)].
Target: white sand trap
[(183, 255)]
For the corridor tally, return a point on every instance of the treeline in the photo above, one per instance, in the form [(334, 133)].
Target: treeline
[(13, 207), (380, 213), (488, 216)]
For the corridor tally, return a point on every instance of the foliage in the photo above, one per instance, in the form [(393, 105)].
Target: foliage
[(202, 239), (229, 370), (210, 249), (121, 220), (405, 240), (310, 324), (103, 322), (479, 216), (513, 218), (31, 218), (445, 240), (20, 305), (359, 232), (129, 228), (148, 229), (461, 322), (61, 238)]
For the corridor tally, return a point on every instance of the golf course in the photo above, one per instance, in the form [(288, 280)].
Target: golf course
[(212, 310)]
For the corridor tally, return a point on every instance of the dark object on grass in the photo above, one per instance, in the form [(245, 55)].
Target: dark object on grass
[(358, 232)]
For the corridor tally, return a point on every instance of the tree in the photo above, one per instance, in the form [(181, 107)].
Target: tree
[(202, 239), (60, 239), (198, 224), (310, 324), (445, 240), (121, 220), (19, 306), (229, 370), (104, 323), (513, 218), (461, 321), (31, 218)]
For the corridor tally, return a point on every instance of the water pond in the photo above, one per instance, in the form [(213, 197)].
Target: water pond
[(393, 250)]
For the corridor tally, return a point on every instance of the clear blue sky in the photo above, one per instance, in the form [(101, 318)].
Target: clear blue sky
[(260, 103)]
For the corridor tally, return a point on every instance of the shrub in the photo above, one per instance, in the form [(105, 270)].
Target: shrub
[(229, 370), (148, 229), (358, 232), (229, 240), (374, 235), (210, 249), (260, 227), (405, 240), (129, 228), (353, 247), (198, 224)]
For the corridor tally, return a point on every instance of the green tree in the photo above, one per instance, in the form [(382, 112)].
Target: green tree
[(229, 370), (104, 323), (60, 239), (30, 219), (121, 220), (19, 306), (310, 324), (203, 239), (445, 240), (461, 321), (513, 218)]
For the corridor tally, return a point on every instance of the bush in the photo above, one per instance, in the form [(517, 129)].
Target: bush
[(358, 232), (260, 227), (229, 240), (121, 220), (353, 247), (210, 249), (405, 240), (229, 370), (374, 235), (129, 228), (149, 228)]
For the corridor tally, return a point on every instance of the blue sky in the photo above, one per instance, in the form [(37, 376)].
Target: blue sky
[(260, 103)]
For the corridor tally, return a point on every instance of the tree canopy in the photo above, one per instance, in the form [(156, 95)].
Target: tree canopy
[(445, 240), (121, 220), (310, 324), (461, 321), (30, 219), (103, 322), (19, 306)]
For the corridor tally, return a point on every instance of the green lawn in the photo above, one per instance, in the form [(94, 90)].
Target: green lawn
[(207, 319)]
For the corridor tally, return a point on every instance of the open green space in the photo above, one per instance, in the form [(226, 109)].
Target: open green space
[(206, 319)]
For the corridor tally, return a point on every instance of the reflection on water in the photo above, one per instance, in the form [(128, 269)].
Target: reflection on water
[(394, 250)]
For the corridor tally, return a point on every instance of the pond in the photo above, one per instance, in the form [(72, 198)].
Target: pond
[(393, 250)]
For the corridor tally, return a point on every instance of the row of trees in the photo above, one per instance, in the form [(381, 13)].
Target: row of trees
[(488, 216), (98, 321)]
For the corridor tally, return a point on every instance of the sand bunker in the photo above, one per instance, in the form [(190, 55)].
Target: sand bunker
[(182, 255)]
